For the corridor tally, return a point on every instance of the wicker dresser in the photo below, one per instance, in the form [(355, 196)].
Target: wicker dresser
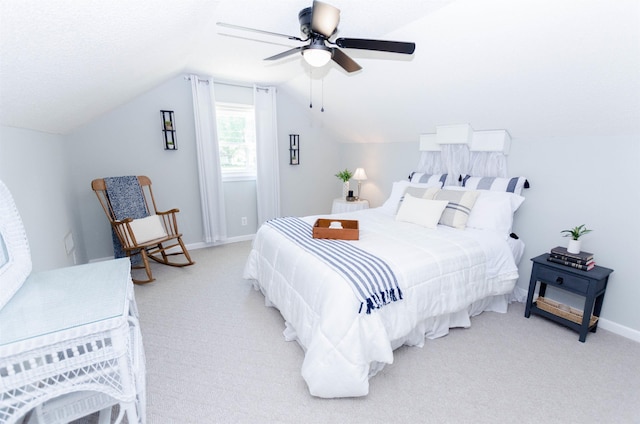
[(70, 345)]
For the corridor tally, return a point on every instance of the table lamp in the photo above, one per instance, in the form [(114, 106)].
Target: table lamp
[(359, 175)]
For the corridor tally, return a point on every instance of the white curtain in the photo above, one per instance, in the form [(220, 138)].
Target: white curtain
[(488, 164), (455, 161), (268, 175), (430, 163), (210, 176)]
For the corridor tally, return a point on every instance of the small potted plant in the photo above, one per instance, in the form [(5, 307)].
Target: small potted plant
[(345, 176), (575, 233)]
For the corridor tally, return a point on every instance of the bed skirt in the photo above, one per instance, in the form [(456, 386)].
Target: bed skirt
[(430, 328)]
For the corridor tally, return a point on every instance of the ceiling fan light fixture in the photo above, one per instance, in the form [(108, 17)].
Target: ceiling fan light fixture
[(318, 24), (317, 56)]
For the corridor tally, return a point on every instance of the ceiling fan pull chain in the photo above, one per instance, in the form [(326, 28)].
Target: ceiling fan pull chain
[(322, 97), (310, 89)]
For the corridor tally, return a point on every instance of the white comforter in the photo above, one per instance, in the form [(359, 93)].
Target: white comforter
[(446, 275)]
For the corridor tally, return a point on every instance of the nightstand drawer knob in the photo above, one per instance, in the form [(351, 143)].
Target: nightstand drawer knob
[(559, 280)]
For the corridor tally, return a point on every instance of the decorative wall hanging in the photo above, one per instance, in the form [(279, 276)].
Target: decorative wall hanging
[(169, 130), (294, 149)]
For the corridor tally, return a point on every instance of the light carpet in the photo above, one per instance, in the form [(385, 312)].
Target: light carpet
[(216, 354)]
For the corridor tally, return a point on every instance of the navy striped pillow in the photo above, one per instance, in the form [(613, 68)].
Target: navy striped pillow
[(431, 179), (511, 185)]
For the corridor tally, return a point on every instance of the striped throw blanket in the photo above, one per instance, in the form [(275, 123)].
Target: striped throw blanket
[(372, 280)]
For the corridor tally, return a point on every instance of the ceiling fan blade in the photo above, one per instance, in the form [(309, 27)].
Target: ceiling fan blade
[(290, 37), (378, 45), (285, 54), (345, 61), (324, 18)]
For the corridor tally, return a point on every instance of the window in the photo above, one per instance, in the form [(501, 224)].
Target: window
[(236, 140)]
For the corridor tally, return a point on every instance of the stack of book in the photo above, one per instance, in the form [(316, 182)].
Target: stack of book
[(582, 260)]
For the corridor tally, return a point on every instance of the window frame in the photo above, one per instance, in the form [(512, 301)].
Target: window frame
[(246, 174)]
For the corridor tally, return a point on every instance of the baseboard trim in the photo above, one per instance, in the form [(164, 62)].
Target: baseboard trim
[(203, 245), (605, 324), (618, 329), (193, 246)]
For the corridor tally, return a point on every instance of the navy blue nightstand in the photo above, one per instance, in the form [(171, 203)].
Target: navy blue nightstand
[(590, 284)]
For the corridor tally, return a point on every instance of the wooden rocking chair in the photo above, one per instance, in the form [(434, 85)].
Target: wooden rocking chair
[(151, 235)]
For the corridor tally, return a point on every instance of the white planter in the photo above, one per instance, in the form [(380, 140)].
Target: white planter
[(345, 189), (574, 246)]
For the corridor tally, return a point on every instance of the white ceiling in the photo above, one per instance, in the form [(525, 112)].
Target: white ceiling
[(534, 67)]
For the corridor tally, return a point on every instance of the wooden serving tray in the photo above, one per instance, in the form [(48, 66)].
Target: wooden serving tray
[(349, 230)]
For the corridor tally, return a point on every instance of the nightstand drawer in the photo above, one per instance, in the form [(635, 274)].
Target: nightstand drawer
[(566, 280)]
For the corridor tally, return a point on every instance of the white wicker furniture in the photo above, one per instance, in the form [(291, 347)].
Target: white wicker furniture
[(72, 330), (70, 342), (15, 257)]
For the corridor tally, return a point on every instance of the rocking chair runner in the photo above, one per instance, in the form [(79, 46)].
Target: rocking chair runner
[(151, 235)]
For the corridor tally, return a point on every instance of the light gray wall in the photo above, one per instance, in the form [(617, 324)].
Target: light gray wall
[(33, 166), (308, 188), (584, 180), (128, 141), (574, 180), (240, 201), (384, 163)]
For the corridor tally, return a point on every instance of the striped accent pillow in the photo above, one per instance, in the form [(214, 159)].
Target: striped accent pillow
[(422, 193), (511, 185), (431, 179), (457, 212)]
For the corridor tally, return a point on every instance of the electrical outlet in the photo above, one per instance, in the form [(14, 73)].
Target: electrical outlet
[(243, 220), (68, 243)]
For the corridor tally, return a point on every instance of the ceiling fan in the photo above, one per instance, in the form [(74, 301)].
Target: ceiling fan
[(318, 24)]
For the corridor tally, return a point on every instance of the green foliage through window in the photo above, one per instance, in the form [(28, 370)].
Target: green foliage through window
[(236, 138)]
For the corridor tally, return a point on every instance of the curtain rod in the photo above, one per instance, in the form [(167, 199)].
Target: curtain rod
[(188, 78)]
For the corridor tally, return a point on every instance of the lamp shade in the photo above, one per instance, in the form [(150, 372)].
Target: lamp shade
[(359, 174)]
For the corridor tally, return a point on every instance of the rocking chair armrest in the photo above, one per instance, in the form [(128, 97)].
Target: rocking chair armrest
[(170, 211), (169, 221), (124, 232), (123, 225)]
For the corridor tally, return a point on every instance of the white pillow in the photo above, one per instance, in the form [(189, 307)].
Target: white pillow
[(493, 211), (421, 193), (436, 180), (149, 228), (512, 185), (397, 192), (515, 200), (424, 212)]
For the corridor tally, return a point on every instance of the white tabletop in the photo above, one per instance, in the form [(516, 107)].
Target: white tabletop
[(61, 299), (342, 205)]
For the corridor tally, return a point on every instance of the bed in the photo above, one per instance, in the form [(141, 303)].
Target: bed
[(445, 275)]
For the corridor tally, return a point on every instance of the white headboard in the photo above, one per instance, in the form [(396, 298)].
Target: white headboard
[(478, 141)]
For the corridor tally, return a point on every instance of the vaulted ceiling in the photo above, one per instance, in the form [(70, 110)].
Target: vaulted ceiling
[(535, 67)]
